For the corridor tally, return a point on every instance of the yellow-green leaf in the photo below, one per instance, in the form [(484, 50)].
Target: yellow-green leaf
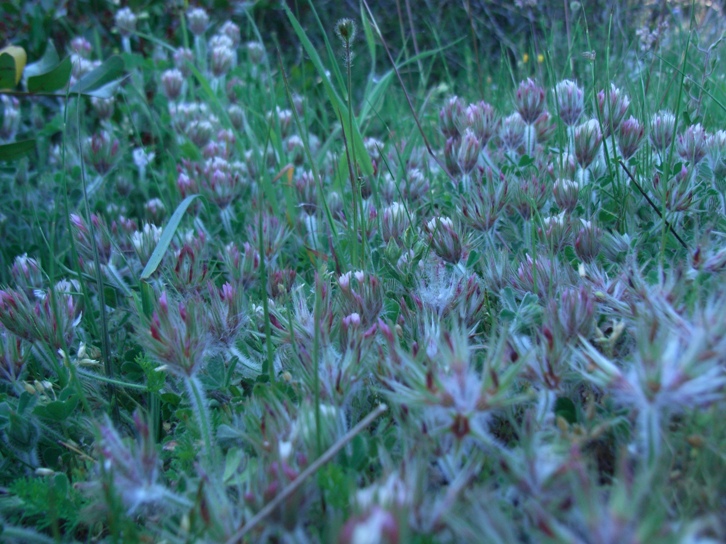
[(19, 58)]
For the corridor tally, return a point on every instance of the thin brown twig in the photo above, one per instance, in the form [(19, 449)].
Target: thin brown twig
[(305, 474), (652, 205)]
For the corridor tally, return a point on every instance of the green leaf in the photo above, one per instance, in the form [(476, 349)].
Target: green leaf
[(106, 91), (111, 70), (525, 161), (370, 39), (335, 485), (7, 71), (214, 376), (57, 410), (45, 64), (170, 398), (16, 150), (234, 459), (51, 81), (166, 237), (61, 484), (565, 408)]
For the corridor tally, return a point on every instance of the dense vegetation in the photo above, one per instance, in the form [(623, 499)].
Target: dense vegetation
[(325, 273)]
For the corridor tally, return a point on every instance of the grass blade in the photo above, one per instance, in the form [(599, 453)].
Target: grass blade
[(166, 237)]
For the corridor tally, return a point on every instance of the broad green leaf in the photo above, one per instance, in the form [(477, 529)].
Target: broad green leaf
[(12, 64), (16, 150), (57, 410), (52, 81), (111, 70), (166, 237), (45, 64)]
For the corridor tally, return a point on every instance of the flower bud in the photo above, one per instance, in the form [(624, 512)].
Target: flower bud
[(241, 267), (232, 31), (566, 192), (451, 117), (284, 118), (82, 234), (186, 185), (469, 149), (451, 157), (512, 132), (346, 30), (485, 203), (144, 241), (536, 275), (155, 210), (394, 222), (280, 282), (445, 239), (172, 81), (362, 294), (630, 134), (103, 107), (221, 60), (125, 22), (529, 100), (255, 52), (101, 151), (573, 313), (612, 108), (570, 102), (134, 469), (183, 59), (662, 126), (555, 232), (335, 204), (587, 242), (588, 138), (200, 132), (81, 47), (307, 191), (544, 127), (482, 119), (43, 321), (27, 273), (529, 196), (693, 144), (236, 117), (198, 21)]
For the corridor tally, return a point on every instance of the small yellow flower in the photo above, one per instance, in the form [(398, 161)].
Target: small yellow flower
[(540, 58), (525, 58)]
